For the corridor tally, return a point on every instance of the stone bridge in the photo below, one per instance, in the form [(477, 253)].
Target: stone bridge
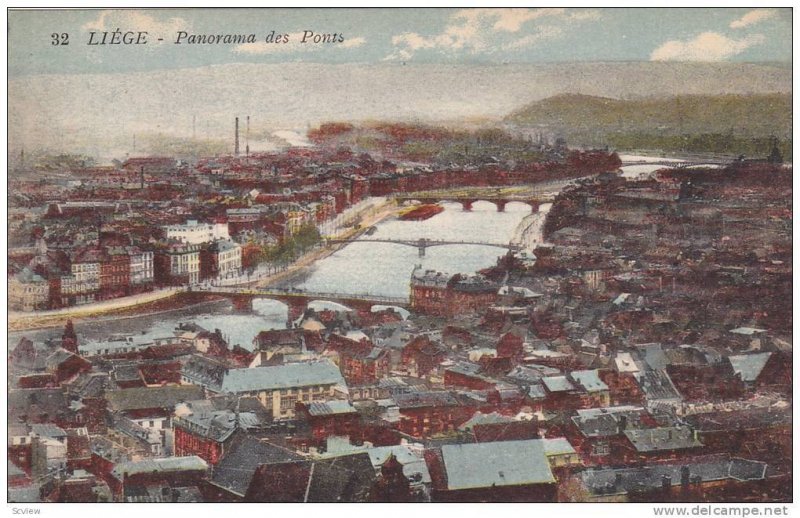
[(297, 301)]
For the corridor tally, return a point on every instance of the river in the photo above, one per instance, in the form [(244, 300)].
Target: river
[(376, 268), (361, 268)]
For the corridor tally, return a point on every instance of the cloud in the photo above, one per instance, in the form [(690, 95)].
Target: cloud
[(708, 46), (543, 33), (128, 20), (753, 17), (487, 30), (350, 43)]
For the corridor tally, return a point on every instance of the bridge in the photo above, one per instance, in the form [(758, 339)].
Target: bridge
[(423, 243), (297, 300), (680, 164)]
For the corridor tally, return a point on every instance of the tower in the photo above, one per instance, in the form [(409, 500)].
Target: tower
[(236, 142), (392, 485), (69, 340)]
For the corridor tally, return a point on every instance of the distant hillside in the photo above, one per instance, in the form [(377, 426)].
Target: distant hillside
[(757, 115)]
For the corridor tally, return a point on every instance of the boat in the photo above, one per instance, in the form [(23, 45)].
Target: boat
[(421, 212)]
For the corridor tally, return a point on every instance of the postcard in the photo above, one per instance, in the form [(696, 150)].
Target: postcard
[(420, 255)]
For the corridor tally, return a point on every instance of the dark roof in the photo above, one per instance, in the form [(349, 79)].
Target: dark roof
[(752, 418), (140, 398), (709, 468), (37, 405), (245, 454), (341, 479)]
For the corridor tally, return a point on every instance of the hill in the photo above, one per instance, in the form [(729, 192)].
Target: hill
[(722, 123), (755, 115)]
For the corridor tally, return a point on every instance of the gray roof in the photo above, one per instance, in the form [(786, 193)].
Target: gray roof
[(589, 380), (48, 430), (557, 446), (282, 377), (330, 408), (505, 463), (165, 465), (718, 467), (557, 384), (749, 366), (665, 438), (653, 355)]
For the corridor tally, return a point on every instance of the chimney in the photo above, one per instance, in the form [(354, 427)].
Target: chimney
[(622, 423), (236, 142), (685, 476)]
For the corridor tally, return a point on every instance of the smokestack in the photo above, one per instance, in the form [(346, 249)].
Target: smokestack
[(236, 144), (247, 138)]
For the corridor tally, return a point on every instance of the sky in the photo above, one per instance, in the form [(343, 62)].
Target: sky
[(452, 36)]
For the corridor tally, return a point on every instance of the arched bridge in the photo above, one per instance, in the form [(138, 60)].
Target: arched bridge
[(423, 243), (679, 164), (297, 300)]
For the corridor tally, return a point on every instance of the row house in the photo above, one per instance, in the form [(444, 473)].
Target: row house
[(220, 260), (424, 414), (141, 269), (177, 264), (330, 419), (83, 285), (360, 367), (115, 273), (28, 291)]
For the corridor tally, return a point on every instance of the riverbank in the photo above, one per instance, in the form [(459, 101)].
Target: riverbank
[(388, 209), (164, 301), (175, 302)]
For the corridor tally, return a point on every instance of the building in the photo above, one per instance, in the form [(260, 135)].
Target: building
[(196, 233), (330, 418), (115, 273), (277, 387), (361, 366), (436, 293), (28, 291), (141, 269), (177, 264), (220, 260), (505, 471)]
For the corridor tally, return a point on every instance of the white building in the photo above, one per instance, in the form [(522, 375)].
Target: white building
[(141, 266), (194, 232), (28, 291), (228, 258), (184, 262)]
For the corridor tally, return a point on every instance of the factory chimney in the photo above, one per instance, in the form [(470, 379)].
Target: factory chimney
[(236, 144), (247, 139)]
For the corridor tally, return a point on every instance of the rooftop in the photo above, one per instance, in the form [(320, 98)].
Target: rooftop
[(505, 463)]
